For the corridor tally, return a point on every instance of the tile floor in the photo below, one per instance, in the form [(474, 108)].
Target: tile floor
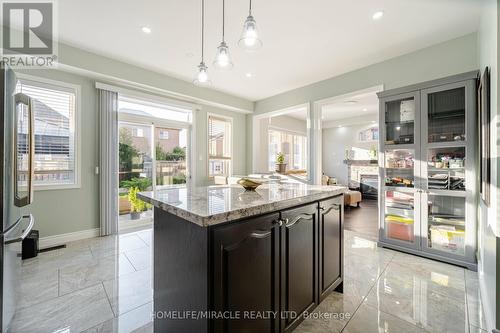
[(104, 285)]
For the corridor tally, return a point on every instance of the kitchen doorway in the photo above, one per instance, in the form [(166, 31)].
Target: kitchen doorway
[(154, 149)]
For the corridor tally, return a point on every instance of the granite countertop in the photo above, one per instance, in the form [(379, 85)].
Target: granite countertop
[(210, 205)]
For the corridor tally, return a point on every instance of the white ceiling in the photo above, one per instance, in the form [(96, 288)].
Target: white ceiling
[(304, 41), (300, 114), (356, 105), (363, 105)]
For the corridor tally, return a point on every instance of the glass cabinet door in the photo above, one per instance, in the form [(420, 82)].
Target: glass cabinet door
[(446, 168), (446, 115), (399, 219), (400, 121), (446, 228), (399, 167)]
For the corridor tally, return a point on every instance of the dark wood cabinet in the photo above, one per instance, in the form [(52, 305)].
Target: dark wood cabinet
[(246, 274), (331, 245), (299, 254)]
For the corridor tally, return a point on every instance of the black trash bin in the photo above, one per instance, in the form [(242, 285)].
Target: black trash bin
[(30, 245)]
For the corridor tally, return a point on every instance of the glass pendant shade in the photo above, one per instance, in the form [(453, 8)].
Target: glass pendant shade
[(222, 58), (250, 38), (202, 78)]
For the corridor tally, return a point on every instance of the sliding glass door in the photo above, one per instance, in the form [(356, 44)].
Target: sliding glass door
[(135, 173), (154, 148), (171, 151)]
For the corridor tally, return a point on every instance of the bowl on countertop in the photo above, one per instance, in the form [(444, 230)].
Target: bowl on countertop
[(250, 184)]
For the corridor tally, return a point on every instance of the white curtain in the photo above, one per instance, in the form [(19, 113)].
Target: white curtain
[(108, 161)]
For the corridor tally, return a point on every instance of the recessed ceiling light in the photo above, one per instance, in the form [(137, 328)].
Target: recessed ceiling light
[(378, 15), (189, 55), (248, 75), (373, 121), (365, 109), (340, 126), (350, 102), (146, 30)]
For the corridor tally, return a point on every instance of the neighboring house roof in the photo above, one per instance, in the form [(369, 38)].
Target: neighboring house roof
[(49, 122)]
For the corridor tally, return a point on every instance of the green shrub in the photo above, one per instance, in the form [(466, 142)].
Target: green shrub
[(141, 183), (177, 154), (179, 179), (136, 205)]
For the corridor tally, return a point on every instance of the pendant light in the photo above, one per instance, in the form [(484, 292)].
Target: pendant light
[(202, 78), (222, 58), (249, 38)]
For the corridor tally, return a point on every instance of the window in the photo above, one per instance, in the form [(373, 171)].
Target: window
[(138, 133), (293, 146), (54, 108), (163, 135), (219, 146)]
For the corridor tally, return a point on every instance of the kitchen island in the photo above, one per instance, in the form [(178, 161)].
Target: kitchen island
[(230, 260)]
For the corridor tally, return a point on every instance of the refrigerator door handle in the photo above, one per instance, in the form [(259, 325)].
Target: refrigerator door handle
[(26, 231), (21, 98), (31, 161)]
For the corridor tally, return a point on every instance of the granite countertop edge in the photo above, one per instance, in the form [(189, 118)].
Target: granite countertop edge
[(237, 214)]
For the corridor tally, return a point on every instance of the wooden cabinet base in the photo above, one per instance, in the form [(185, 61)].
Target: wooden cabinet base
[(259, 274)]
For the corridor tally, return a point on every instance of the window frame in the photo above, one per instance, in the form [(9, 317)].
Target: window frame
[(292, 146), (231, 141), (63, 86), (162, 136)]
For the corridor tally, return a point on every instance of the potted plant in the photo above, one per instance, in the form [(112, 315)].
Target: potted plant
[(280, 163), (137, 206), (373, 153)]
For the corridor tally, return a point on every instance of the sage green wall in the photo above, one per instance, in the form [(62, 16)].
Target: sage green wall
[(63, 211), (451, 57)]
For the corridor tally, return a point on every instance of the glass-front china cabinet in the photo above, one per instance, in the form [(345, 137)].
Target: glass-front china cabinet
[(428, 187)]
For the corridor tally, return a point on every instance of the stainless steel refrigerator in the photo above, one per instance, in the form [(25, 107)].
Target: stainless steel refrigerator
[(17, 147)]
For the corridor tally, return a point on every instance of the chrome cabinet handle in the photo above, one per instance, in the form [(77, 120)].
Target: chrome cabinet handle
[(333, 206), (26, 231), (264, 234), (256, 234)]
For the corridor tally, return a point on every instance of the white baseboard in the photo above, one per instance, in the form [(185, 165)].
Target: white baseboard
[(55, 240)]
